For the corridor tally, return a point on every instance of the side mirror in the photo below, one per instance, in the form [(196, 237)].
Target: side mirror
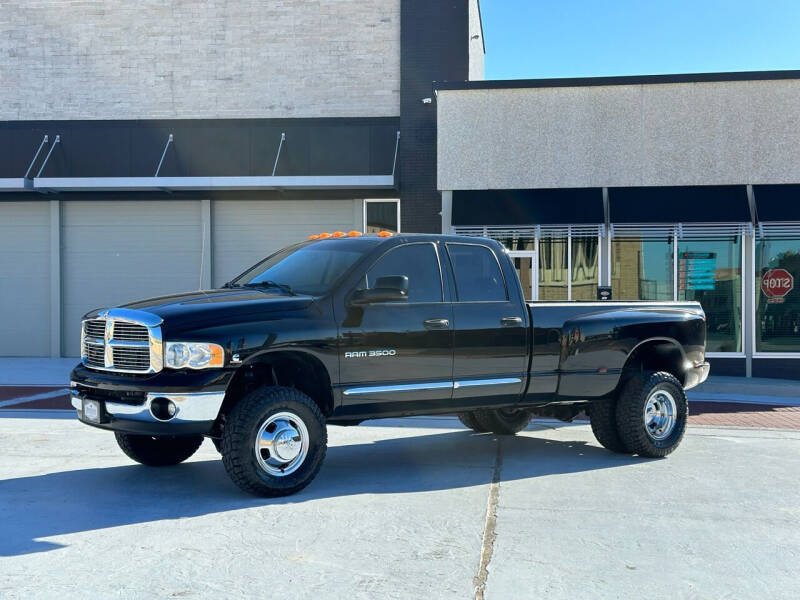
[(387, 289)]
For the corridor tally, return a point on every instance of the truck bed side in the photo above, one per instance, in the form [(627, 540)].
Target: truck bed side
[(581, 349)]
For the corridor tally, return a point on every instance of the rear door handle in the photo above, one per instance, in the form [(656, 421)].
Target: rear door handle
[(511, 321), (436, 324)]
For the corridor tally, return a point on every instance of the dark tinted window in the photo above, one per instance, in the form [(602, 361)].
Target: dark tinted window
[(418, 262), (311, 268), (478, 276)]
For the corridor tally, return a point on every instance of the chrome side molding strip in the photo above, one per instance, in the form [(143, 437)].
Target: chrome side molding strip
[(480, 382), (407, 387), (434, 385)]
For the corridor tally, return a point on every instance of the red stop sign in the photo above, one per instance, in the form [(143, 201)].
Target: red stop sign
[(776, 283)]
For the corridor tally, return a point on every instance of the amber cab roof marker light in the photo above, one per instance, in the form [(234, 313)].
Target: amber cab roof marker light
[(324, 235), (313, 237), (339, 234), (354, 233), (384, 234)]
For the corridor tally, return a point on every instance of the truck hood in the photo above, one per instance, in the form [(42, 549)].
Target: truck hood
[(221, 304)]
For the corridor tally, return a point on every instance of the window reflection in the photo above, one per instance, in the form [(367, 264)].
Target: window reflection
[(641, 269), (777, 316), (710, 272)]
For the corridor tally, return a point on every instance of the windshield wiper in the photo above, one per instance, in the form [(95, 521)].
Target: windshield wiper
[(269, 283)]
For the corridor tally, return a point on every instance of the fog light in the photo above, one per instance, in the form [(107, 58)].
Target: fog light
[(163, 409)]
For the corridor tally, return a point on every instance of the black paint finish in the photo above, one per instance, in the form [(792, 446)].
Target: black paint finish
[(679, 204), (524, 207), (507, 84), (207, 147), (579, 350)]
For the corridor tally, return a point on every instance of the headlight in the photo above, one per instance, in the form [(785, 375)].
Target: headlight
[(194, 355)]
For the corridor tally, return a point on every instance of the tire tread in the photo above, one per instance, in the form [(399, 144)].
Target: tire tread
[(237, 456)]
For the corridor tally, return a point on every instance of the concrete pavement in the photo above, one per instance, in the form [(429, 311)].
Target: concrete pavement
[(405, 508)]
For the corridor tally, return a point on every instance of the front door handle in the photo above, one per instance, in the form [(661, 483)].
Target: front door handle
[(511, 321), (436, 324)]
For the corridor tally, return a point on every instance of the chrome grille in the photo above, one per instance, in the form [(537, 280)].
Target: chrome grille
[(130, 332), (123, 340), (134, 359), (95, 355), (95, 329)]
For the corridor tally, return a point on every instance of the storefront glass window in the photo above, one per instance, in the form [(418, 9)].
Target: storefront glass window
[(553, 269), (641, 269), (710, 272), (584, 268), (777, 265)]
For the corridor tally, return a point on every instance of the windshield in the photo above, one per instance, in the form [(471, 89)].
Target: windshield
[(306, 269)]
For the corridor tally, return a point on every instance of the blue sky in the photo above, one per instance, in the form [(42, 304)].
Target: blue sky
[(577, 38)]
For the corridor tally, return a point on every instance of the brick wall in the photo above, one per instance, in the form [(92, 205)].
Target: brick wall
[(122, 59), (434, 36)]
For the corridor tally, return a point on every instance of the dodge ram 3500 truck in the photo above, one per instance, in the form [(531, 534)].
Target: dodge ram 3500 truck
[(347, 328)]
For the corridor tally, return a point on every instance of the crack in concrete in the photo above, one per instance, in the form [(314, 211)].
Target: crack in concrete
[(489, 525)]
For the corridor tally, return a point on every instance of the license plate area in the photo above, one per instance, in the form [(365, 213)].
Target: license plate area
[(92, 410)]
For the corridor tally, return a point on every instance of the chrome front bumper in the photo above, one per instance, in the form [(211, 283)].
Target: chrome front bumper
[(696, 375), (191, 407)]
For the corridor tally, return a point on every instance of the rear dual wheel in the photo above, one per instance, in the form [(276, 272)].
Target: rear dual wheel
[(648, 418)]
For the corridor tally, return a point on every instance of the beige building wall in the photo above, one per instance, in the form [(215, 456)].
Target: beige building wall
[(619, 135), (147, 59)]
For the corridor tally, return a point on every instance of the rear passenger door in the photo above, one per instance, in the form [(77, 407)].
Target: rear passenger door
[(491, 329)]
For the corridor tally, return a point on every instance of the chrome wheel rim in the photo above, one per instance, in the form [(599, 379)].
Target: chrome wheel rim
[(282, 444), (660, 414)]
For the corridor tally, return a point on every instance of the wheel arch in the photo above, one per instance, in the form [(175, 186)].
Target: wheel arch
[(656, 354), (287, 368)]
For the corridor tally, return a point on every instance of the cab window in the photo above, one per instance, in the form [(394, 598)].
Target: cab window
[(477, 273), (419, 263)]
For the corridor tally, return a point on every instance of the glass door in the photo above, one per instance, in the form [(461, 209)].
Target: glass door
[(525, 263)]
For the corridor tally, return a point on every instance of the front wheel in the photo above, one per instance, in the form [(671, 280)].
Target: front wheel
[(274, 441), (158, 451), (651, 414)]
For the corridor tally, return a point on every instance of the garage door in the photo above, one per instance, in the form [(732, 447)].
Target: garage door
[(24, 278), (246, 231), (117, 252)]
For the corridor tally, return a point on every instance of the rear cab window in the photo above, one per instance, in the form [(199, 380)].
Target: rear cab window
[(477, 273)]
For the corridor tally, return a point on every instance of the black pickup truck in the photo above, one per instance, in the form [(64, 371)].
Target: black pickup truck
[(349, 328)]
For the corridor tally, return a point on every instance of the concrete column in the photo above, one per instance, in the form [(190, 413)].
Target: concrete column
[(604, 251), (447, 211), (55, 278), (205, 248)]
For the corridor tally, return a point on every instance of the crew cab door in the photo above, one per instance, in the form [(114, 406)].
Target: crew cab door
[(395, 356), (491, 328)]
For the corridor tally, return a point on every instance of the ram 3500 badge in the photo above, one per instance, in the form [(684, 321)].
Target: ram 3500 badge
[(343, 329)]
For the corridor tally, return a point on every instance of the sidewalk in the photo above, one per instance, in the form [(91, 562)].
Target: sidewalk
[(43, 383)]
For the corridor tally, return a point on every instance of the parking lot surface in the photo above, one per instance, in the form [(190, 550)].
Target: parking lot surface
[(406, 508)]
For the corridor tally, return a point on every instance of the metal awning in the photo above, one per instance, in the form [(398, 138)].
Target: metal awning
[(269, 182), (15, 184), (33, 180)]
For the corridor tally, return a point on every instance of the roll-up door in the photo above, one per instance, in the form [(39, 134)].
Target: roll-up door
[(24, 278), (119, 251), (246, 231)]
